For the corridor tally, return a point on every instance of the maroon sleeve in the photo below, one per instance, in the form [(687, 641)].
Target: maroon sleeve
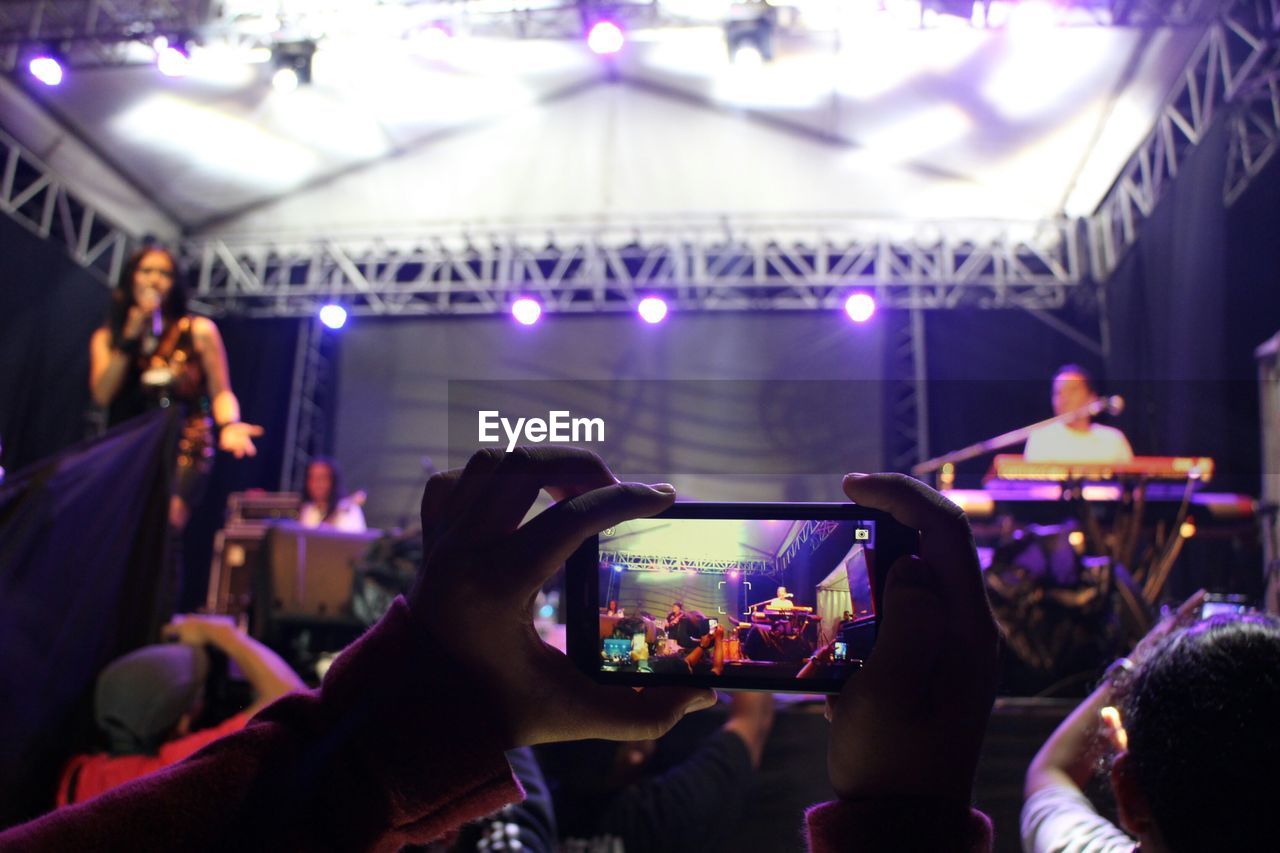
[(398, 746), (870, 826)]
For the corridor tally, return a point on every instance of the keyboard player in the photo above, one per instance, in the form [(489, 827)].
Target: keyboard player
[(1077, 440)]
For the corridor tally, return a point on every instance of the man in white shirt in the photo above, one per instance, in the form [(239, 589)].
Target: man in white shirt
[(1078, 439)]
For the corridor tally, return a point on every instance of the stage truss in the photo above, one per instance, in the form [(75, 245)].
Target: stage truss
[(1232, 73), (675, 565), (718, 266), (104, 33), (34, 196)]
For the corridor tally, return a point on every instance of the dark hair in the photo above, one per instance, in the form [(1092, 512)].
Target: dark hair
[(1077, 370), (1201, 714), (335, 475), (629, 626), (122, 299), (676, 604)]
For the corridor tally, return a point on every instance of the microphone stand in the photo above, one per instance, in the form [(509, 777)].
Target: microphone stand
[(947, 462)]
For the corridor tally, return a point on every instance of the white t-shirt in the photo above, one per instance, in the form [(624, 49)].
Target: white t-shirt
[(1060, 819), (1060, 443), (348, 517)]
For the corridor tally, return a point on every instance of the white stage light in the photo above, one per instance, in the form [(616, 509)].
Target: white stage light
[(172, 62), (284, 80), (526, 311), (46, 69), (333, 316)]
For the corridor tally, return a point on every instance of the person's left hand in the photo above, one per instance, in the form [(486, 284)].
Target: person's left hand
[(237, 439), (482, 571)]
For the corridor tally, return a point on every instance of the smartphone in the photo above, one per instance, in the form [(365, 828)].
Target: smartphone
[(794, 589), (1216, 604)]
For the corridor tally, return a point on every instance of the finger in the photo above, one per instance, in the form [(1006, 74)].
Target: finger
[(472, 483), (945, 538), (620, 713), (565, 472), (548, 540), (435, 497), (255, 430), (910, 638)]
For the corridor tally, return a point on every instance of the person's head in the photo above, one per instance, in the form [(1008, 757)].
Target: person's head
[(613, 605), (677, 608), (1073, 387), (150, 273), (782, 592), (149, 697), (324, 482), (1202, 758)]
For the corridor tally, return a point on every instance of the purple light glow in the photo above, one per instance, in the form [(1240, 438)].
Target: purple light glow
[(526, 311), (46, 69), (605, 38), (733, 575), (333, 316), (652, 309), (860, 307)]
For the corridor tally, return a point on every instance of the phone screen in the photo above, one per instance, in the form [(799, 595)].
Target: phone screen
[(770, 602)]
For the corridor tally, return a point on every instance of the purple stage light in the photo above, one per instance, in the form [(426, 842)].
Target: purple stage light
[(860, 307), (46, 69), (652, 309), (333, 316), (526, 311), (605, 38), (733, 575)]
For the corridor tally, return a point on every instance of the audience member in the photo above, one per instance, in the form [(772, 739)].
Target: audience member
[(146, 702), (405, 739), (1188, 719)]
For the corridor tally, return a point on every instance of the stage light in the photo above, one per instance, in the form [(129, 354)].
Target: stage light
[(46, 69), (617, 568), (333, 316), (605, 38), (293, 65), (733, 575), (860, 307), (1032, 16), (526, 311), (172, 61), (1187, 529), (652, 309)]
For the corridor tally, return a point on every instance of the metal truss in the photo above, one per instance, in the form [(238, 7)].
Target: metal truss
[(907, 442), (811, 534), (1255, 132), (653, 563), (1230, 65), (35, 197), (311, 399), (757, 266), (94, 32)]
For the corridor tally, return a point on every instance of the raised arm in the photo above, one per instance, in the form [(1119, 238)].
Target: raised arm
[(268, 675), (234, 436)]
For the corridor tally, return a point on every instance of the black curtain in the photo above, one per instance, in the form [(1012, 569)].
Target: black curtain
[(49, 307), (82, 555), (1188, 305)]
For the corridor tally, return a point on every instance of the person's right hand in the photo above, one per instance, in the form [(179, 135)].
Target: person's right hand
[(482, 571), (911, 723), (135, 323)]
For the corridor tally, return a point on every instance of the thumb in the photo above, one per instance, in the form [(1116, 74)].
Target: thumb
[(910, 635)]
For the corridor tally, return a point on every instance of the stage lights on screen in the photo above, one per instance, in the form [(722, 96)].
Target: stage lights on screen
[(333, 316), (652, 310), (172, 58), (293, 65), (46, 69), (526, 311), (605, 38), (860, 307)]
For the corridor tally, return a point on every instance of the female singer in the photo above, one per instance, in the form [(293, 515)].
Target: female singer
[(151, 354)]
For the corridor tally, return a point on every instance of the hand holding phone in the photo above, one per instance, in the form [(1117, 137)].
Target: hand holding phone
[(911, 724)]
